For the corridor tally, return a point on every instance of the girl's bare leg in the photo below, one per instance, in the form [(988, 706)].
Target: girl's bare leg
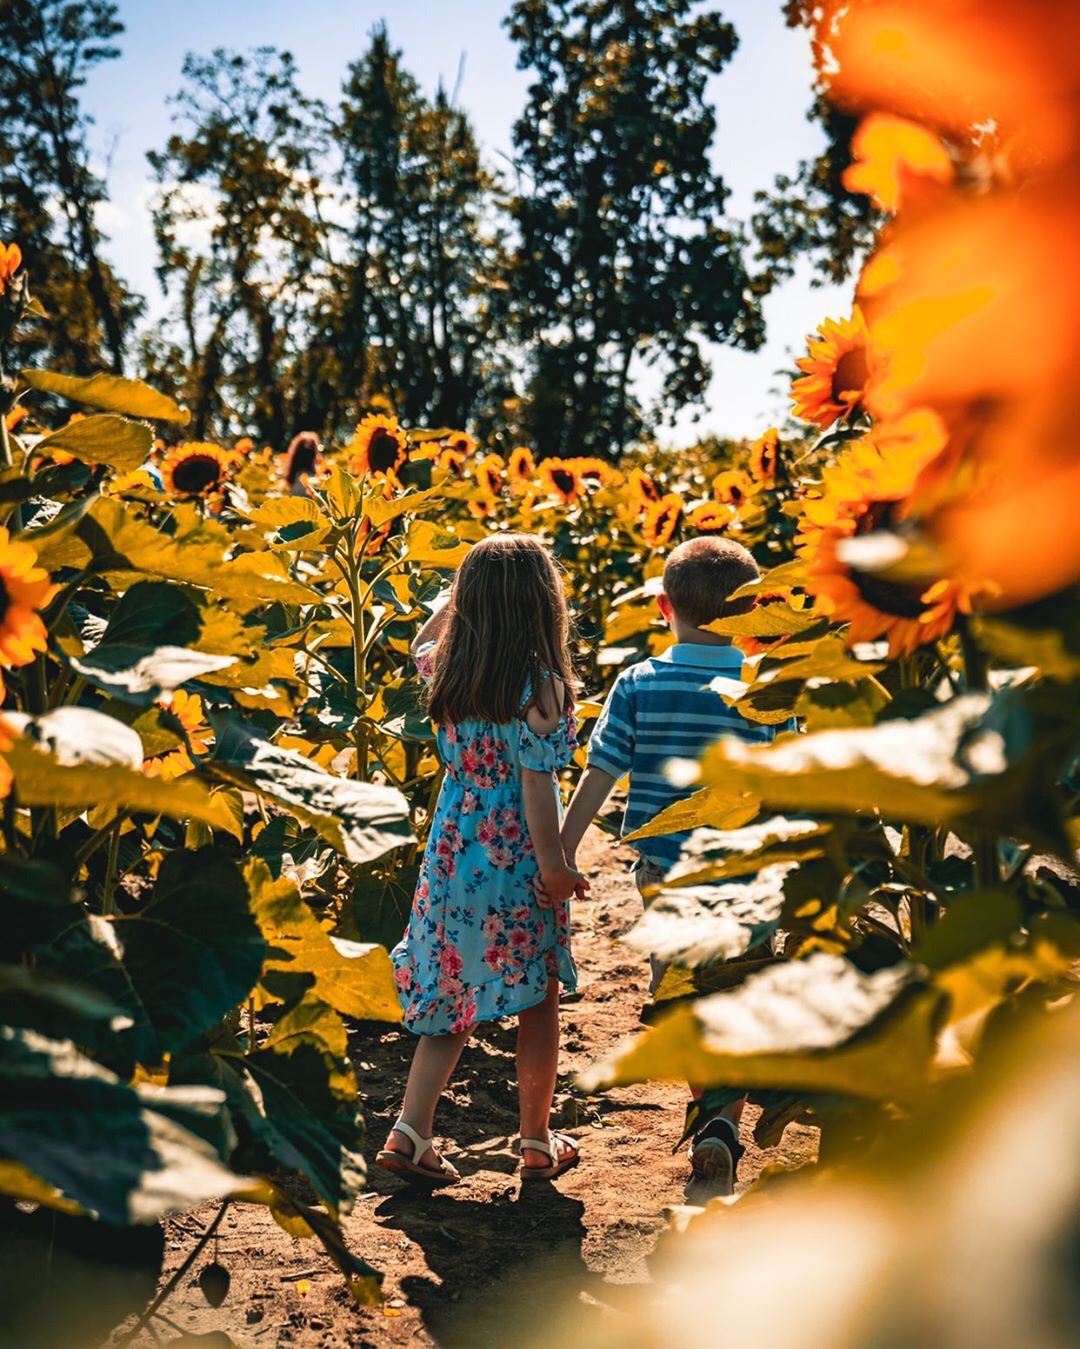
[(537, 1066), (435, 1059)]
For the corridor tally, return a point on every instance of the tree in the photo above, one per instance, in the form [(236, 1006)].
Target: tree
[(811, 213), (416, 325), (49, 194), (624, 256), (242, 239)]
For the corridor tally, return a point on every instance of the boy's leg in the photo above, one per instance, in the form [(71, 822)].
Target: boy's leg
[(435, 1058), (537, 1068), (715, 1149)]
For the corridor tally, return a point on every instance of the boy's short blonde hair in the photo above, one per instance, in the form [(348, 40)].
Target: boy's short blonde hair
[(701, 575)]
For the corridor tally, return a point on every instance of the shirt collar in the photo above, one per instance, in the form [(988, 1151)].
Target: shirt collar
[(704, 657)]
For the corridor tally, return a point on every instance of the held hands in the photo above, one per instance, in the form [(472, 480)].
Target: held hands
[(554, 888)]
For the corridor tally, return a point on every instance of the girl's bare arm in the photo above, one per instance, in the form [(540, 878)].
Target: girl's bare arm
[(593, 789), (432, 630)]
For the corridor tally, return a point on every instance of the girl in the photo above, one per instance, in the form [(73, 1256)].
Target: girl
[(480, 944), (303, 460)]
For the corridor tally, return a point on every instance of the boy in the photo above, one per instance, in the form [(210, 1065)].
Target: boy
[(664, 708)]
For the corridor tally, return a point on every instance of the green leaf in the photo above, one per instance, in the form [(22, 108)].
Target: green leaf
[(195, 950), (719, 854), (696, 925), (115, 441), (381, 903), (293, 522), (429, 544), (971, 921), (361, 820), (766, 620), (124, 1154), (140, 676), (74, 736), (711, 807), (43, 780), (803, 1025), (821, 707), (976, 761), (110, 392), (354, 978), (151, 613)]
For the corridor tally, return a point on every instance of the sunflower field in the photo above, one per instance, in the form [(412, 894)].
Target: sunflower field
[(217, 771)]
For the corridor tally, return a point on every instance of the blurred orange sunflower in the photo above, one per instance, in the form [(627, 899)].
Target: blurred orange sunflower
[(488, 475), (711, 517), (461, 443), (134, 480), (452, 462), (17, 414), (10, 262), (521, 470), (481, 506), (643, 489), (380, 445), (837, 371), (594, 472), (765, 456), (867, 491), (187, 708), (662, 520), (559, 478), (195, 469), (24, 589), (732, 486)]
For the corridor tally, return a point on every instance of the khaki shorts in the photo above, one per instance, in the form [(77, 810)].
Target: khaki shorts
[(647, 873)]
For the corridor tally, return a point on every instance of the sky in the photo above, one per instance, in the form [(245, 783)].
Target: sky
[(760, 99)]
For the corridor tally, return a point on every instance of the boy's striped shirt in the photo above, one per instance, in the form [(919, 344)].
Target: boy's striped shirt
[(668, 707)]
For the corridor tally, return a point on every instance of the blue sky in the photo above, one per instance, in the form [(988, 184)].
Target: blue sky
[(761, 100)]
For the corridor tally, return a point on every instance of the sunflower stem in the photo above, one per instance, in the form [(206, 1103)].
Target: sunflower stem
[(977, 679), (108, 906)]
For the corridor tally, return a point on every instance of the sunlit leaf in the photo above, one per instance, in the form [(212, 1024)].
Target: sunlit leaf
[(108, 440), (110, 392)]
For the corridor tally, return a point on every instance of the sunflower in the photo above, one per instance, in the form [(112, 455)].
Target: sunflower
[(594, 472), (731, 487), (15, 416), (243, 448), (488, 475), (135, 480), (643, 490), (380, 445), (837, 371), (10, 262), (521, 470), (7, 739), (559, 478), (24, 589), (461, 443), (711, 517), (661, 520), (187, 708), (195, 469), (765, 456), (865, 491), (481, 506), (452, 461)]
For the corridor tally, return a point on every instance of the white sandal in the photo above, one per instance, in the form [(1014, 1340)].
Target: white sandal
[(550, 1148), (409, 1168)]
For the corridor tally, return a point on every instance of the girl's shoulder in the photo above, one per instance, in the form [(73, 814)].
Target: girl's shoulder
[(546, 705)]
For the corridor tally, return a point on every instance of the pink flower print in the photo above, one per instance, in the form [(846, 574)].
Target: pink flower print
[(511, 826), (551, 964), (470, 803), (450, 988), (450, 732), (403, 978), (519, 939), (504, 770), (443, 848), (495, 957), (489, 755), (470, 762), (492, 926), (465, 1016), (486, 831), (520, 913), (450, 961), (513, 977), (502, 859)]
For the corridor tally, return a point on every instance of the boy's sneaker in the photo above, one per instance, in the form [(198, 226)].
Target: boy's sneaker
[(714, 1155)]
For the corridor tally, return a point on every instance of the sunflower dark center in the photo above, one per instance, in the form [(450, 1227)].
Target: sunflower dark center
[(384, 451), (197, 474), (890, 597), (851, 373), (563, 480)]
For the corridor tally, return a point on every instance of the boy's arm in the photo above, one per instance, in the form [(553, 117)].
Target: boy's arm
[(593, 789)]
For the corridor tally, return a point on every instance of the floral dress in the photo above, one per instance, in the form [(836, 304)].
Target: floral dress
[(478, 946)]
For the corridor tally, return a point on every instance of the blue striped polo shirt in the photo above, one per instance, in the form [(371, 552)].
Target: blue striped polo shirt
[(668, 707)]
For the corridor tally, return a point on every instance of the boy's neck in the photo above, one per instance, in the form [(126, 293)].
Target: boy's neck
[(691, 636)]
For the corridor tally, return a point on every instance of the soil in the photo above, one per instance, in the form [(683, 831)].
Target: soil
[(456, 1261)]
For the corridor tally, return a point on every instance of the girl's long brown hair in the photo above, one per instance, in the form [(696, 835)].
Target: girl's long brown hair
[(507, 629), (301, 456)]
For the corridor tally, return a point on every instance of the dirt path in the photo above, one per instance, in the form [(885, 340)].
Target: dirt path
[(455, 1262)]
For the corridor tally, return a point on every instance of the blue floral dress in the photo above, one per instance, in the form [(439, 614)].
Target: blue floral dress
[(478, 946)]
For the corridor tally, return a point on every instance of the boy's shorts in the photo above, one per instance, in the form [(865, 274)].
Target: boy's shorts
[(647, 873)]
